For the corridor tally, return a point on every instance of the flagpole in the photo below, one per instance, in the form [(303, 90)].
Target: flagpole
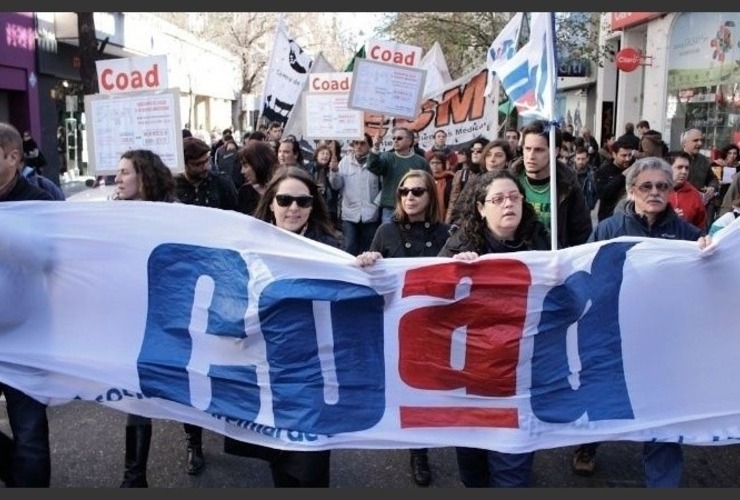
[(553, 191)]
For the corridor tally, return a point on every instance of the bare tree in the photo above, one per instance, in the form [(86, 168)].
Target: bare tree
[(88, 52)]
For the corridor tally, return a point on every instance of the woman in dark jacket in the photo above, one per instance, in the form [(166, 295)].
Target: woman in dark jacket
[(292, 201), (258, 163), (416, 230), (496, 219)]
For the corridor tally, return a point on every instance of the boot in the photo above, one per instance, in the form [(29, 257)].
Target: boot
[(420, 467), (138, 439), (195, 460), (6, 454)]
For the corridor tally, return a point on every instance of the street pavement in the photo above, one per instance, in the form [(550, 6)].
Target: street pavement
[(87, 441)]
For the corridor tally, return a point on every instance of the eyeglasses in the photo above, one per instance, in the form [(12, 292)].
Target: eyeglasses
[(647, 187), (417, 191), (399, 138), (499, 200), (476, 150), (201, 163), (286, 200)]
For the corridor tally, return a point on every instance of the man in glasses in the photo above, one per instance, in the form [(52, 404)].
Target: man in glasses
[(648, 213), (198, 184), (390, 166), (701, 174)]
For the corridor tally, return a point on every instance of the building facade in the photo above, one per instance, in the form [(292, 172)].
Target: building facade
[(688, 76)]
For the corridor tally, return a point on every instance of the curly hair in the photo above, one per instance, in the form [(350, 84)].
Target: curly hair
[(473, 226), (157, 182)]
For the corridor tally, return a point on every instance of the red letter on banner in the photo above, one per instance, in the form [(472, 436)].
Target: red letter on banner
[(489, 320)]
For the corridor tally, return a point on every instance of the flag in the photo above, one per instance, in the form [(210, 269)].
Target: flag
[(351, 65), (529, 76), (503, 48), (286, 73), (438, 74)]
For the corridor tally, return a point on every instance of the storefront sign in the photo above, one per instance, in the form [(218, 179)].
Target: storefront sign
[(628, 59), (131, 74), (622, 20)]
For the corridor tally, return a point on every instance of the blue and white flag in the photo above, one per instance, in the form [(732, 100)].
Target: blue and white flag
[(529, 77), (502, 48)]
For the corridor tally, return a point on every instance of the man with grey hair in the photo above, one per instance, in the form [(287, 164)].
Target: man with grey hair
[(648, 213), (700, 170)]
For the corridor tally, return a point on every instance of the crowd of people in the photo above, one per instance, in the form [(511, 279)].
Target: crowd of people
[(486, 196)]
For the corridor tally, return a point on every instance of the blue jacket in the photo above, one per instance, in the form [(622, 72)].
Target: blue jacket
[(43, 182), (668, 226)]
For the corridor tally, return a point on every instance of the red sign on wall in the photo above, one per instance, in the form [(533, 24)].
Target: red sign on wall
[(628, 59), (621, 20)]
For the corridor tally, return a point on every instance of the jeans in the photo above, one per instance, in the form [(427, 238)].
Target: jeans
[(493, 469), (386, 214), (358, 236), (31, 461), (663, 464)]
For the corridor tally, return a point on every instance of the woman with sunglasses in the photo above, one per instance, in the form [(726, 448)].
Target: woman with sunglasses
[(416, 230), (292, 201), (496, 218)]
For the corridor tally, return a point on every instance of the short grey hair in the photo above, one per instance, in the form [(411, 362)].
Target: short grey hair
[(649, 163), (685, 133)]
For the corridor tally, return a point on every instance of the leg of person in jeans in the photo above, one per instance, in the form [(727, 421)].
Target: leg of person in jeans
[(663, 463), (366, 234), (387, 215), (510, 470), (473, 466), (351, 237), (31, 462)]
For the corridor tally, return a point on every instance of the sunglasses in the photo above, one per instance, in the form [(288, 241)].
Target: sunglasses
[(417, 192), (286, 200), (399, 138), (647, 187)]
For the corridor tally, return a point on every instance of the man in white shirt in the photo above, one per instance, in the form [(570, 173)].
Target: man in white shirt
[(358, 188)]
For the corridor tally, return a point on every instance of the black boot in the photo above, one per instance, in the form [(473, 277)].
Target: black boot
[(420, 467), (6, 454), (138, 439), (194, 438)]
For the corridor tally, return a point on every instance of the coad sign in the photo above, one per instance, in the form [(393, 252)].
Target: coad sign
[(132, 74), (628, 59), (330, 82), (393, 53)]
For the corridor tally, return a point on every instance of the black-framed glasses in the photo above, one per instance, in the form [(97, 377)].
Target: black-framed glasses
[(286, 200), (476, 150), (647, 187), (201, 162), (417, 191), (399, 138)]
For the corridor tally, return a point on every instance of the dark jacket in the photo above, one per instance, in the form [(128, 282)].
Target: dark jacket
[(668, 226), (43, 182), (214, 191), (414, 239), (455, 245), (611, 187), (574, 217), (24, 191)]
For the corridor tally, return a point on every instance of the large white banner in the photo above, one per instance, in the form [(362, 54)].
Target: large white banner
[(257, 333), (286, 75)]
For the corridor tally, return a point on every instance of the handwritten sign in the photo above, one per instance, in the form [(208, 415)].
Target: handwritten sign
[(388, 89)]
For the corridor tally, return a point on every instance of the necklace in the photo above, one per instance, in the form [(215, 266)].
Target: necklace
[(541, 190)]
